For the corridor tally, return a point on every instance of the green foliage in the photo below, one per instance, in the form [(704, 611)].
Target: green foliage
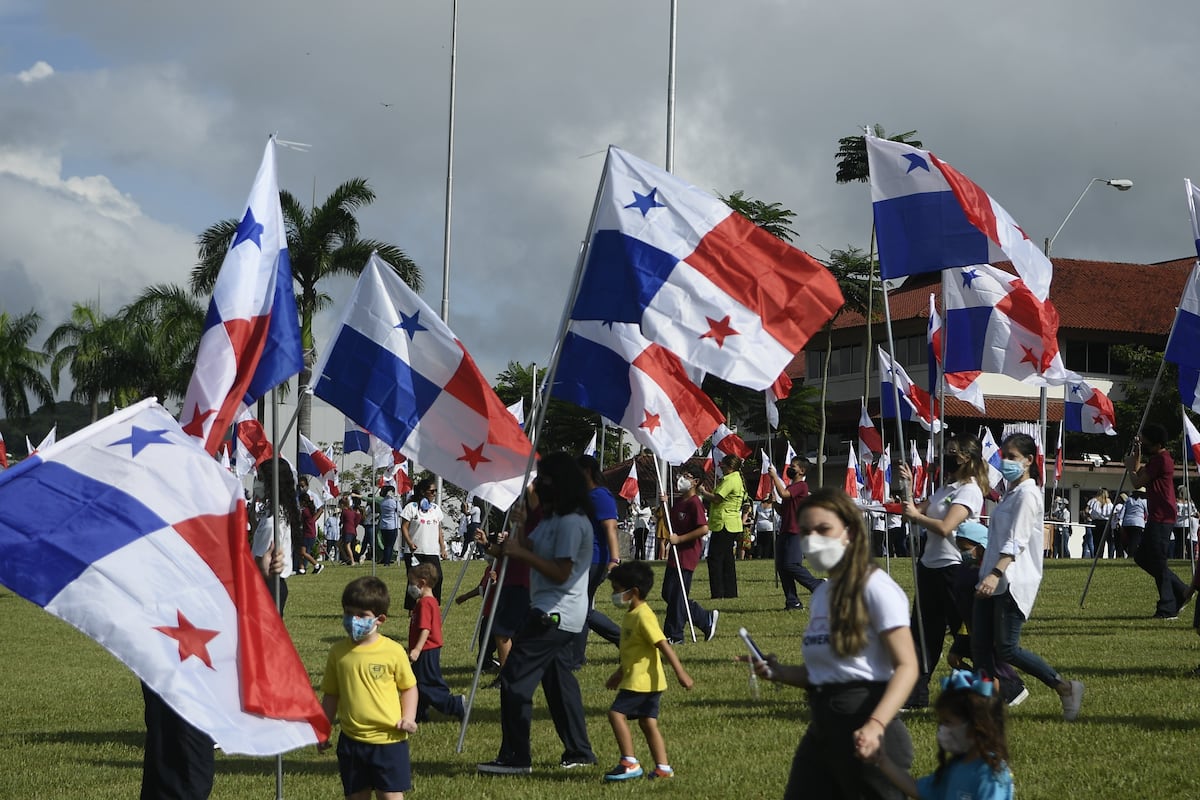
[(771, 217), (21, 365), (1143, 363), (851, 156)]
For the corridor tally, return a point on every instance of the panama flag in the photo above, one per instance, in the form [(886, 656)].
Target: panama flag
[(356, 439), (766, 486), (251, 446), (313, 461), (1058, 453), (962, 385), (994, 323), (991, 456), (1191, 437), (134, 535), (1088, 410), (854, 479), (1193, 198), (1183, 345), (729, 442), (50, 438), (629, 488), (517, 409), (700, 279), (3, 453), (916, 405), (396, 369), (930, 217), (402, 477), (869, 441), (590, 448), (777, 391), (918, 470), (614, 370), (251, 338)]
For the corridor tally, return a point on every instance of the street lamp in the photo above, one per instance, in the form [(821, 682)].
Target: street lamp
[(1120, 184)]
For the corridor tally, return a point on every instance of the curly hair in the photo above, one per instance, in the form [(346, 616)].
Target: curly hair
[(848, 580), (985, 720)]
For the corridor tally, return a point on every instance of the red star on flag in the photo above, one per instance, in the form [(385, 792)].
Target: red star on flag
[(651, 423), (473, 456), (1030, 358), (196, 426), (719, 330), (193, 641)]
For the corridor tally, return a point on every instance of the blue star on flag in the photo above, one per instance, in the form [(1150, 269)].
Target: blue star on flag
[(969, 275), (1077, 389), (248, 229), (645, 202), (411, 325), (139, 438), (915, 162)]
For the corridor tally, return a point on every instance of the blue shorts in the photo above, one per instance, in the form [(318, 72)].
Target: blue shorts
[(512, 612), (383, 767), (637, 705)]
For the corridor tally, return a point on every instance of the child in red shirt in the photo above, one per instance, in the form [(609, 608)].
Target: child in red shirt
[(425, 647)]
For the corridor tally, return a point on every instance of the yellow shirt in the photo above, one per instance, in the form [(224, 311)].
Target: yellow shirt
[(367, 681), (726, 512), (641, 663)]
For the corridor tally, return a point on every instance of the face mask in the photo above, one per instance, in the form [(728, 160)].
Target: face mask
[(824, 553), (1012, 470), (359, 628), (968, 557), (791, 472), (414, 591), (618, 600), (683, 483), (424, 504), (954, 739)]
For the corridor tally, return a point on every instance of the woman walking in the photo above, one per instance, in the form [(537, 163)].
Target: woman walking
[(725, 526)]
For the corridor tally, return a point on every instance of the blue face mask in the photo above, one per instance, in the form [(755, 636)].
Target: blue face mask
[(358, 628), (1012, 470), (424, 504)]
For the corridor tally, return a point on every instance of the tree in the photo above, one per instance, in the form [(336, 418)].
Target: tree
[(163, 327), (86, 346), (1143, 364), (771, 217), (21, 365), (323, 242)]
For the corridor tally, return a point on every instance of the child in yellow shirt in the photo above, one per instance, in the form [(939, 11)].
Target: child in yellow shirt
[(370, 688), (640, 680)]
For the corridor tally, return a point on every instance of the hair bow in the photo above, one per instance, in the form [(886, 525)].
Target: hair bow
[(979, 682)]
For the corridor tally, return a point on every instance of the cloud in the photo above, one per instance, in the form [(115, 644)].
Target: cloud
[(39, 71)]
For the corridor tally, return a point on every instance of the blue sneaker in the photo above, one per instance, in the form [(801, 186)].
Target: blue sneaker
[(624, 770)]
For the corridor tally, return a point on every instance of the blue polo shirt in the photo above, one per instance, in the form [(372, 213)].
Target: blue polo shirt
[(604, 507)]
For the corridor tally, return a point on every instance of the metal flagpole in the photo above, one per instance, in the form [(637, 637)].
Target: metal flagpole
[(276, 586), (483, 600), (1187, 490), (687, 605), (670, 159)]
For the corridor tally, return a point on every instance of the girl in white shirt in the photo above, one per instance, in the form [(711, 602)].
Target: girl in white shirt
[(1011, 574)]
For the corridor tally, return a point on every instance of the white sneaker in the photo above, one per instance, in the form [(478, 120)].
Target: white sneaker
[(1021, 698), (1072, 702), (712, 627)]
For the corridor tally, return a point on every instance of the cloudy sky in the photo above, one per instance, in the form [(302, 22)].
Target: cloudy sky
[(128, 127)]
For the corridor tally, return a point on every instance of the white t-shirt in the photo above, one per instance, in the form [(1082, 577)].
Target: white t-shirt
[(941, 551), (424, 527), (283, 542), (887, 609)]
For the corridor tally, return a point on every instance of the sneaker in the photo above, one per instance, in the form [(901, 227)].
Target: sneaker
[(1020, 698), (659, 772), (462, 706), (1071, 702), (1165, 616), (673, 641), (793, 608), (712, 627), (301, 570), (499, 767), (574, 761), (317, 569), (624, 770)]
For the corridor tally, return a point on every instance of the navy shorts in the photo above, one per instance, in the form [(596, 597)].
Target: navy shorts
[(512, 612), (383, 767), (637, 705)]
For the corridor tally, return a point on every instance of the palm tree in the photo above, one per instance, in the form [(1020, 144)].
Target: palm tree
[(852, 166), (771, 217), (21, 365), (162, 329), (84, 344), (322, 242)]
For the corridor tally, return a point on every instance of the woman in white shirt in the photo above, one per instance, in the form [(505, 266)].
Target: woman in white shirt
[(1011, 574), (1099, 509), (859, 663), (940, 516), (284, 538)]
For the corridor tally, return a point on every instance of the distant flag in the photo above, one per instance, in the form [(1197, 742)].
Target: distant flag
[(29, 448), (918, 471), (1058, 454), (160, 575), (729, 442), (930, 217), (224, 456), (991, 456), (774, 393), (3, 453), (881, 477), (383, 455), (1193, 198), (854, 479), (590, 448), (356, 438), (396, 369), (313, 461), (517, 409), (994, 323), (713, 463), (614, 370), (693, 274), (1183, 344), (916, 404), (963, 385), (766, 486), (791, 454), (1192, 438), (403, 478), (869, 441), (251, 338), (251, 444), (1088, 410), (629, 488), (50, 438)]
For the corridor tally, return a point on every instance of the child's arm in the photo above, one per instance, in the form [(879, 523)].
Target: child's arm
[(465, 596), (614, 680), (329, 704), (408, 710), (668, 652), (899, 777), (415, 653)]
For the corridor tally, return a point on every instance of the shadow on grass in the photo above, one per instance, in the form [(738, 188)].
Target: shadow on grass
[(129, 738)]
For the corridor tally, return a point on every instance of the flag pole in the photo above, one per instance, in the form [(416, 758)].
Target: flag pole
[(462, 573), (1187, 490), (669, 163), (276, 586), (483, 599), (687, 605)]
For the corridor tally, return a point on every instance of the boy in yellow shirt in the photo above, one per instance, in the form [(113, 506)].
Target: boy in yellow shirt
[(640, 680), (369, 686)]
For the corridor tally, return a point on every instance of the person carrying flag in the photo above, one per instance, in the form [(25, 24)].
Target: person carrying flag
[(789, 560), (1156, 475)]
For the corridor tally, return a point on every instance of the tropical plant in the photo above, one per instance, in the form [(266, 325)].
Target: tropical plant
[(163, 327), (85, 345), (323, 241), (771, 217), (21, 365)]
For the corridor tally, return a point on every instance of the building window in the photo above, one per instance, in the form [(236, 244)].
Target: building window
[(1094, 357)]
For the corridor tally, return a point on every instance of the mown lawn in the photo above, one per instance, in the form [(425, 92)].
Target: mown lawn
[(72, 714)]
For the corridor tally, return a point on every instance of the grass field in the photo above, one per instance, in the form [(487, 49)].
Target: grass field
[(72, 714)]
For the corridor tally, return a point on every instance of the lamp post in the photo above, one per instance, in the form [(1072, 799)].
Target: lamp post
[(1120, 184)]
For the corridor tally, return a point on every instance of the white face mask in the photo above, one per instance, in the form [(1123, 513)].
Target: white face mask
[(683, 483), (618, 600), (824, 552), (954, 739)]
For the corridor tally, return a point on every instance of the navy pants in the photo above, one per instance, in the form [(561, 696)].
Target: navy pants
[(722, 568), (676, 620), (789, 563), (1151, 555), (178, 762), (432, 690)]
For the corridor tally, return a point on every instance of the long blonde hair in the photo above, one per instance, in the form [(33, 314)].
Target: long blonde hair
[(974, 466), (847, 581)]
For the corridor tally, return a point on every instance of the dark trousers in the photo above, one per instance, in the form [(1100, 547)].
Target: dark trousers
[(722, 568), (178, 762), (674, 597), (789, 563), (432, 690), (938, 615), (1151, 555), (639, 544), (996, 634), (596, 621), (387, 537), (409, 603), (541, 654), (825, 766)]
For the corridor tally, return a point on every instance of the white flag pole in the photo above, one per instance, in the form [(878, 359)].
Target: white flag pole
[(663, 491)]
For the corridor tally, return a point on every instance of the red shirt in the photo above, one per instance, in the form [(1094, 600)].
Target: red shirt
[(349, 520), (686, 515), (796, 493), (425, 616), (1160, 491)]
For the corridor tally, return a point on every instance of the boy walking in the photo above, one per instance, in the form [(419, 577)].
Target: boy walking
[(640, 680), (369, 686), (425, 646)]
